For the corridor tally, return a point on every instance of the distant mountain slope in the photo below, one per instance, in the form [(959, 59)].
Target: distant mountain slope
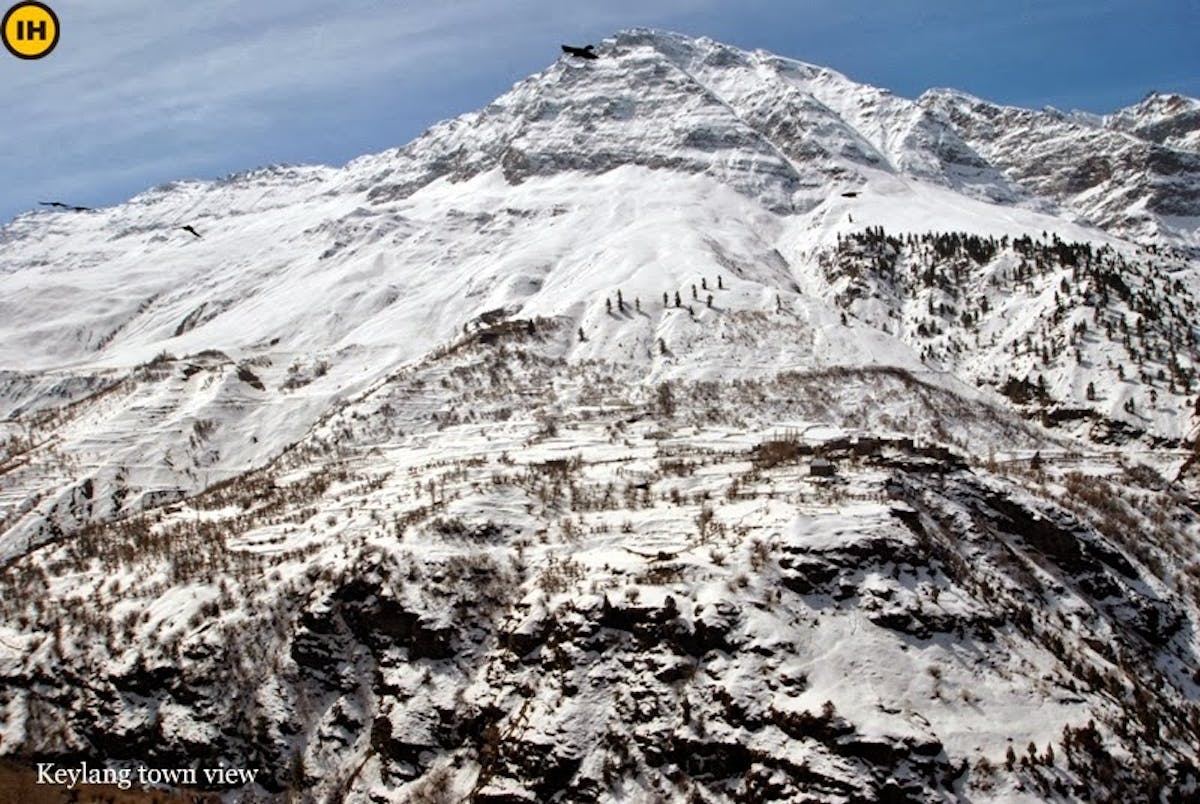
[(1117, 179)]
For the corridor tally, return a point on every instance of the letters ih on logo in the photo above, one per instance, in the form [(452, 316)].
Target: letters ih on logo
[(30, 30)]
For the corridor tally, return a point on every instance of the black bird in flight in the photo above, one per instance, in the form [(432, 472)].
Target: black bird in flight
[(853, 194), (190, 229), (61, 205), (585, 52)]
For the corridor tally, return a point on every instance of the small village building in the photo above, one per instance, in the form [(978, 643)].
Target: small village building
[(822, 467), (863, 445)]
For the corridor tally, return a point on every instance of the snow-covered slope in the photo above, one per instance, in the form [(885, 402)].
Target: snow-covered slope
[(486, 467), (1171, 120), (1128, 176)]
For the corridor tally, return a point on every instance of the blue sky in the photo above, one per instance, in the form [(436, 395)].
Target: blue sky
[(140, 92)]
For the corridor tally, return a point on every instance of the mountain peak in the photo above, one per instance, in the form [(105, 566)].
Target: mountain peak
[(1168, 119)]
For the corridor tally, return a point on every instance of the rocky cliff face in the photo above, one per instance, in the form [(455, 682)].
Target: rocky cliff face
[(1131, 176), (691, 425), (1170, 120)]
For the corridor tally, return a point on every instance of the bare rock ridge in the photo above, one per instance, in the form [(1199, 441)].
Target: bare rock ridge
[(688, 424)]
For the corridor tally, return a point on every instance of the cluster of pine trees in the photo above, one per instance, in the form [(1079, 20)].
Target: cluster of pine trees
[(942, 287)]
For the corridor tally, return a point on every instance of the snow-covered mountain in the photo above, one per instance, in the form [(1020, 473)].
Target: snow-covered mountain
[(1171, 120), (1135, 175), (691, 424)]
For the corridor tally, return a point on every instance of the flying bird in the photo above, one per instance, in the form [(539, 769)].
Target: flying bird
[(852, 194), (190, 229), (585, 52)]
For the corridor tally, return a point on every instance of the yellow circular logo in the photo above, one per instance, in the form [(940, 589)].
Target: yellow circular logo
[(30, 30)]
